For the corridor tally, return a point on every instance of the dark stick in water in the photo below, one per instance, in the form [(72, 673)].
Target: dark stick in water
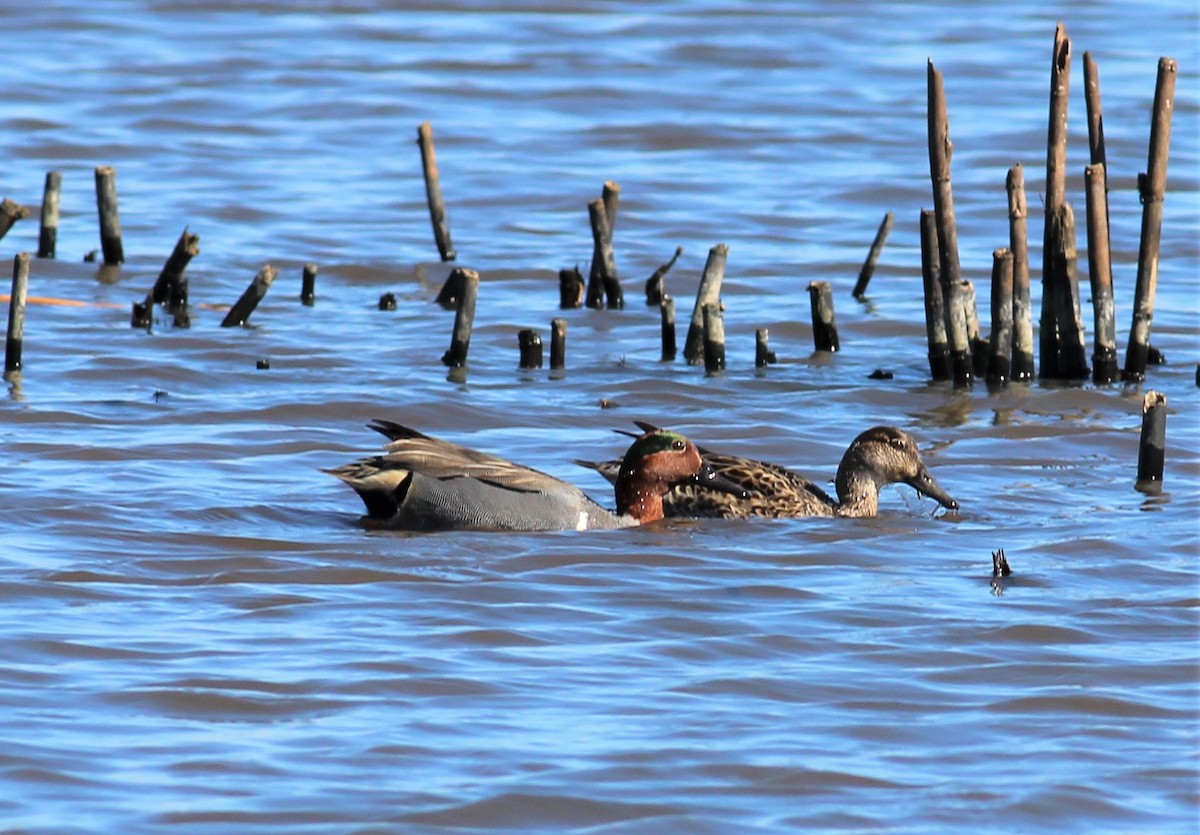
[(10, 212), (433, 193), (464, 319), (530, 343), (13, 343), (308, 284), (940, 367), (558, 343), (714, 339), (110, 218), (48, 231), (244, 306), (868, 267), (1104, 355), (709, 292), (1000, 342), (1018, 242), (655, 284), (825, 334), (1152, 186), (1153, 443), (570, 288), (667, 309)]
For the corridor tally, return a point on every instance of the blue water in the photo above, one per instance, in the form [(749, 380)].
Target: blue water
[(199, 636)]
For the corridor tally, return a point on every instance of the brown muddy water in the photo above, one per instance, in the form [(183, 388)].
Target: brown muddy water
[(198, 634)]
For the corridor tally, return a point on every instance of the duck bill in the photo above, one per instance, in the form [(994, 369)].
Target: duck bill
[(924, 484), (710, 479)]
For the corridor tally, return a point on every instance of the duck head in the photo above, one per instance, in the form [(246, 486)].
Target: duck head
[(656, 462), (880, 456)]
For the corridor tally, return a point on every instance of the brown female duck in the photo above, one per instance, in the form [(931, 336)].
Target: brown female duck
[(879, 456)]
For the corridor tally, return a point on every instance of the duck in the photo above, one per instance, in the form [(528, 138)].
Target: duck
[(879, 456), (424, 484)]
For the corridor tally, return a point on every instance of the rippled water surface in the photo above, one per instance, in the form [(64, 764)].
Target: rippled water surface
[(198, 634)]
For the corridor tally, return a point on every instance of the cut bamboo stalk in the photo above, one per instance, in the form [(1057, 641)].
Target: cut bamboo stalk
[(763, 355), (1152, 445), (1095, 116), (110, 218), (308, 284), (868, 267), (48, 230), (714, 339), (1104, 355), (1051, 352), (667, 309), (824, 325), (940, 150), (1018, 243), (656, 284), (530, 343), (433, 193), (570, 288), (1000, 343), (979, 345), (558, 343), (14, 341), (10, 212), (464, 319), (1152, 186), (709, 292), (940, 368), (244, 306), (603, 284), (1063, 332)]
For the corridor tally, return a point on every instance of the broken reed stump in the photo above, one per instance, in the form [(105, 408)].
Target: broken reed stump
[(48, 229), (1061, 335), (1018, 243), (433, 193), (530, 344), (464, 319), (603, 285), (825, 335), (1095, 117), (452, 289), (558, 344), (714, 339), (940, 368), (763, 355), (10, 212), (1152, 185), (999, 370), (709, 292), (868, 267), (308, 284), (979, 345), (570, 288), (1104, 354), (656, 285), (14, 340), (950, 270), (110, 218), (170, 287), (1152, 446), (667, 311), (244, 306)]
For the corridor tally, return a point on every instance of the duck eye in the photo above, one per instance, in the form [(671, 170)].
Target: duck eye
[(678, 445)]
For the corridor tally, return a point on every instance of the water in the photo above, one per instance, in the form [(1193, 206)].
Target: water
[(198, 636)]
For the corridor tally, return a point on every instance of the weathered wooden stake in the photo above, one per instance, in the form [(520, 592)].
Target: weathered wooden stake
[(244, 306), (709, 292), (530, 342), (868, 267), (1095, 116), (1152, 447), (763, 355), (1063, 342), (603, 282), (464, 319), (170, 286), (452, 289), (10, 212), (979, 345), (825, 335), (714, 339), (940, 368), (558, 343), (940, 150), (110, 218), (1104, 355), (1000, 341), (1018, 243), (667, 309), (1151, 186), (570, 288), (16, 313), (48, 231), (655, 284), (308, 284), (1053, 246), (433, 193)]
